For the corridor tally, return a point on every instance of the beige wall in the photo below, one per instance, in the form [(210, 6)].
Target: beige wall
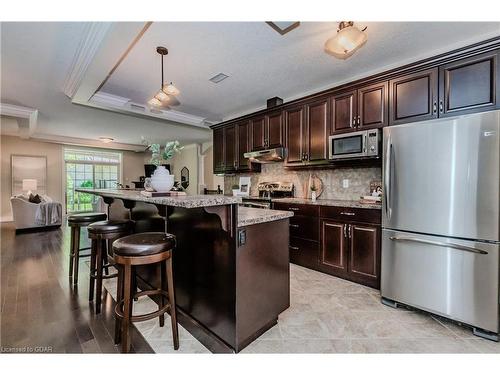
[(211, 180), (133, 167), (187, 158)]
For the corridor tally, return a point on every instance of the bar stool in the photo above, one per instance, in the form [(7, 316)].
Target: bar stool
[(75, 222), (137, 250), (102, 235)]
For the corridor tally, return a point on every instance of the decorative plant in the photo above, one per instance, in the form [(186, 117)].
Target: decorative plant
[(157, 156), (313, 187)]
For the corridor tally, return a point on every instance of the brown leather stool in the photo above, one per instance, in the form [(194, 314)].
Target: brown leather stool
[(136, 250), (102, 234), (75, 222)]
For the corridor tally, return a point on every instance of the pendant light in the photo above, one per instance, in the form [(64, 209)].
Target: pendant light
[(347, 40), (162, 96)]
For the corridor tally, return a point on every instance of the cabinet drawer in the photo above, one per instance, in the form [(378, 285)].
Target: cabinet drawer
[(298, 209), (304, 227), (304, 252), (365, 215)]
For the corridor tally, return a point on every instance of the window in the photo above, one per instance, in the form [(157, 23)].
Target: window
[(89, 169)]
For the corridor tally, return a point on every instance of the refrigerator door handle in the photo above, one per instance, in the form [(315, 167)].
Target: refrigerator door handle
[(387, 177), (437, 243)]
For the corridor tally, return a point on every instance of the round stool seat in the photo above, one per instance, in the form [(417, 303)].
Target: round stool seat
[(143, 244), (110, 226), (86, 217)]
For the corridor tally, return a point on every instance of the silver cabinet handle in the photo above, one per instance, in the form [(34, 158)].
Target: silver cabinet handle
[(347, 213), (350, 231), (294, 225), (434, 107), (293, 247), (293, 208), (438, 243), (441, 106), (345, 230)]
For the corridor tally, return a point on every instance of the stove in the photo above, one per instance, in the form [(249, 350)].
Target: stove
[(268, 191)]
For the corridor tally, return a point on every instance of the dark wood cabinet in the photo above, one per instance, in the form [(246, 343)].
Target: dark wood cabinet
[(373, 106), (258, 133), (218, 150), (294, 135), (317, 118), (413, 97), (344, 107), (469, 85), (364, 108), (230, 155), (333, 256), (274, 130)]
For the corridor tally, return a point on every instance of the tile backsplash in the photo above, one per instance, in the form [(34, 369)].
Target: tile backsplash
[(359, 180)]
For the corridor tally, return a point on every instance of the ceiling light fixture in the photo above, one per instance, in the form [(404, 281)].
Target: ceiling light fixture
[(106, 139), (162, 96), (347, 41)]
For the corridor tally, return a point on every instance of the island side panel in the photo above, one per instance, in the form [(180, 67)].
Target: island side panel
[(262, 279)]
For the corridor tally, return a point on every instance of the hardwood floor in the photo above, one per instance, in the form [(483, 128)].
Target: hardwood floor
[(40, 310)]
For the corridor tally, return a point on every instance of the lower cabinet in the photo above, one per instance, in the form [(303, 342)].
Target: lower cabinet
[(351, 251), (304, 252)]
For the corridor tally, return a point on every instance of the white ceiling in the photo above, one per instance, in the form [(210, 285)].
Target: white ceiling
[(262, 64), (36, 58)]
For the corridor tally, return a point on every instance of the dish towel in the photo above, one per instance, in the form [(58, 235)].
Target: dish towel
[(48, 213)]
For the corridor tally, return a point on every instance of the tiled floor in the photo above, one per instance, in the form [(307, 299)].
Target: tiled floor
[(331, 315)]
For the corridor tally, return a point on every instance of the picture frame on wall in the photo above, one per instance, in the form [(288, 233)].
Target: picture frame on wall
[(31, 167)]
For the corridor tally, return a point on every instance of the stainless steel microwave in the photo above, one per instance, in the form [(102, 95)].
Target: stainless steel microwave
[(355, 145)]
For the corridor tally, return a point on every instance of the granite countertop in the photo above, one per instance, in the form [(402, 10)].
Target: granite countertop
[(249, 215), (186, 201), (329, 202)]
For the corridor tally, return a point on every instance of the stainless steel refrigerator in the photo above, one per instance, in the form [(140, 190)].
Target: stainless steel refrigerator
[(441, 218)]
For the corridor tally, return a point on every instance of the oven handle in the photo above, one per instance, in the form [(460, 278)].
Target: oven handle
[(438, 243)]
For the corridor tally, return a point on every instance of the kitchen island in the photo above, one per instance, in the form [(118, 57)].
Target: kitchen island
[(231, 265)]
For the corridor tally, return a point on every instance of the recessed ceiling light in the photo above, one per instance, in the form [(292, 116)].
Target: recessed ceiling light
[(218, 77), (106, 139)]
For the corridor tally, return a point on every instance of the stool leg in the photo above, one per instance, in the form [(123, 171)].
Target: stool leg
[(119, 297), (93, 254), (98, 262), (71, 252), (76, 253), (163, 286), (105, 257), (171, 297), (127, 281)]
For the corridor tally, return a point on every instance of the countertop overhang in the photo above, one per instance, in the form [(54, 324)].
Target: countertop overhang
[(250, 216)]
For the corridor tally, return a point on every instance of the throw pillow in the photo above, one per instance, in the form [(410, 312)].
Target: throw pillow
[(35, 198)]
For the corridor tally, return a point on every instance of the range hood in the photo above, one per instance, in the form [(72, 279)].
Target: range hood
[(272, 155)]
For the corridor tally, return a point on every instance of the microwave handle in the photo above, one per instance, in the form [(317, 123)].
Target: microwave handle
[(365, 141)]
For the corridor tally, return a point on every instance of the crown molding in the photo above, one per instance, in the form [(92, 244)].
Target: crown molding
[(94, 34), (26, 129), (111, 100)]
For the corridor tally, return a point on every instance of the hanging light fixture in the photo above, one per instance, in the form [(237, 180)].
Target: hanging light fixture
[(347, 41), (162, 96)]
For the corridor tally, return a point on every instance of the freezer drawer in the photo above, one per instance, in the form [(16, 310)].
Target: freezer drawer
[(454, 278)]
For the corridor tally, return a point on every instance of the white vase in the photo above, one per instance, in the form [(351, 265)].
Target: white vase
[(161, 180), (313, 196)]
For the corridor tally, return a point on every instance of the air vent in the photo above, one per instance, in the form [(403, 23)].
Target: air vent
[(218, 78)]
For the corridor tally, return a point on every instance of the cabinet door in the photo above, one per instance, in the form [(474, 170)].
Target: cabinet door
[(230, 156), (274, 130), (413, 97), (258, 132), (469, 85), (333, 256), (243, 146), (295, 129), (373, 106), (343, 112), (317, 118), (364, 254), (218, 149)]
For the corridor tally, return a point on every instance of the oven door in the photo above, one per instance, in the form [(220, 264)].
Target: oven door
[(345, 146)]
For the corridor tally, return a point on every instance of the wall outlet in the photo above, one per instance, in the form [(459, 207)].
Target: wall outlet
[(345, 183)]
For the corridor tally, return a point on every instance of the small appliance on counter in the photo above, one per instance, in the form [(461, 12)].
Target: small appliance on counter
[(268, 191)]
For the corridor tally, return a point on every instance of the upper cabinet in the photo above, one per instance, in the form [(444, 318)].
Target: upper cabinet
[(267, 131), (469, 85), (230, 149), (307, 133), (364, 108), (413, 97), (218, 150)]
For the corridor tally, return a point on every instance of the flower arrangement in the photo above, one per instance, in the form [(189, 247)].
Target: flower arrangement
[(157, 155)]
